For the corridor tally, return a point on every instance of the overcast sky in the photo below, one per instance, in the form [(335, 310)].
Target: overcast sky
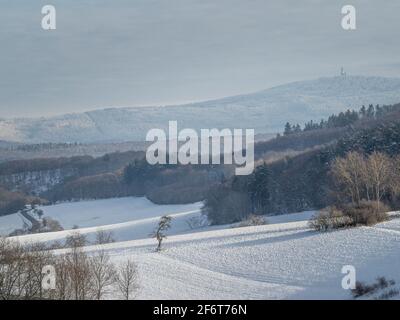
[(156, 52)]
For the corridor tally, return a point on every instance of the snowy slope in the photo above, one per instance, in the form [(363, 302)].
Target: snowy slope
[(9, 223), (110, 211), (265, 111), (127, 218), (281, 260)]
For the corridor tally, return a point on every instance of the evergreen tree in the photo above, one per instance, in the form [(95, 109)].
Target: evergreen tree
[(259, 189), (370, 111), (288, 129), (378, 111), (363, 111)]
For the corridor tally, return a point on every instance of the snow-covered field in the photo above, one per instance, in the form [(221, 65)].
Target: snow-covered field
[(277, 261), (281, 260), (110, 211), (9, 223), (127, 218)]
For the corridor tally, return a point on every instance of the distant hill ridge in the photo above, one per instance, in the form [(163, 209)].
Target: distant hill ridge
[(266, 111)]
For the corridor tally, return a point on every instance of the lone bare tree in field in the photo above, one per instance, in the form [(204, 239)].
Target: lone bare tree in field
[(127, 279), (163, 225)]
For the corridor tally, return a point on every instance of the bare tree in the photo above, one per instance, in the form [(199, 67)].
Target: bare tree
[(196, 222), (21, 270), (103, 237), (163, 225), (380, 173), (127, 279), (395, 181), (79, 276), (12, 258), (63, 284), (367, 178), (36, 258), (103, 273), (75, 240), (78, 267), (348, 174)]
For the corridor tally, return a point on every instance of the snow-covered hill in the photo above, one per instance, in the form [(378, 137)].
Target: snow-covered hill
[(265, 111), (281, 260)]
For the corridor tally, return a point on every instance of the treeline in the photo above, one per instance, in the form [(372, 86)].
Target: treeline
[(299, 142), (86, 178), (11, 202), (162, 184), (31, 165), (342, 119), (83, 165), (101, 186), (45, 146), (170, 184)]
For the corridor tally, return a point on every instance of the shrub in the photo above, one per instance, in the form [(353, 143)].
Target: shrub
[(365, 290), (47, 225), (103, 237), (127, 279), (51, 225), (17, 232), (197, 222), (367, 213), (330, 218), (76, 240), (253, 220), (224, 206)]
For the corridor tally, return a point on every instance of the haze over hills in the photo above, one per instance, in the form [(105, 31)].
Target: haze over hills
[(266, 111)]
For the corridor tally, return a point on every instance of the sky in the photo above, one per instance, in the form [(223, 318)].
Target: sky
[(122, 53)]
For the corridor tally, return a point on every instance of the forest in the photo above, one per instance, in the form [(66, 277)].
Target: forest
[(292, 171), (306, 181)]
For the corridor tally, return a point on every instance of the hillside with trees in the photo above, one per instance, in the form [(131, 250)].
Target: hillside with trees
[(292, 172), (305, 181)]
